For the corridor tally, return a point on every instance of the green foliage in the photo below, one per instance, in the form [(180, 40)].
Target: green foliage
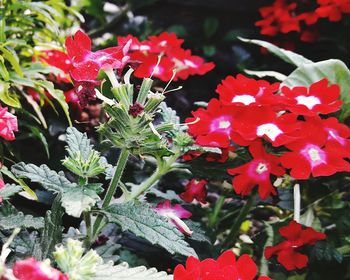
[(144, 222), (287, 56), (75, 199), (82, 159), (9, 190)]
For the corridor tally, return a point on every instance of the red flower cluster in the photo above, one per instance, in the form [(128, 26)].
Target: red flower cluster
[(296, 238), (31, 269), (226, 267), (285, 16), (173, 58), (8, 124), (251, 113)]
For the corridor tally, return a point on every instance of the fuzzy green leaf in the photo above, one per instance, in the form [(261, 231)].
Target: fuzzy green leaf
[(9, 190), (20, 220), (144, 222)]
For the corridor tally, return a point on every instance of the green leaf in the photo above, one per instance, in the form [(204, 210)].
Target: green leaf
[(202, 149), (144, 222), (52, 233), (49, 179), (57, 95), (168, 115), (20, 220), (83, 160), (334, 70), (210, 26), (9, 190), (287, 56), (77, 200), (3, 70), (123, 272), (12, 58), (325, 251), (261, 74), (11, 100)]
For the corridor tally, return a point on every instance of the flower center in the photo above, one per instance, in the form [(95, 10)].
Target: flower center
[(246, 99), (224, 124), (261, 168), (271, 130), (221, 124), (308, 101), (314, 154)]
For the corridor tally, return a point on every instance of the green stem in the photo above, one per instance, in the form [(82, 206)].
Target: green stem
[(163, 167), (213, 218), (123, 158), (87, 219), (230, 239)]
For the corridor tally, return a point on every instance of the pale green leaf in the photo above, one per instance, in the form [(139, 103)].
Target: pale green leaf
[(20, 220), (287, 56), (261, 74), (9, 190), (9, 99)]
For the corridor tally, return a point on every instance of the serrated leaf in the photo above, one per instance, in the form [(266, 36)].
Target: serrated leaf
[(168, 115), (49, 179), (9, 190), (262, 74), (202, 149), (20, 220), (287, 56), (78, 143), (52, 233), (144, 222), (334, 70), (79, 199), (124, 272)]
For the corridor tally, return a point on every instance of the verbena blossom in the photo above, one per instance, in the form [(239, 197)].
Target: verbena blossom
[(226, 267), (2, 185), (175, 214), (296, 239), (318, 98), (213, 126), (246, 91), (257, 172), (8, 124), (86, 64), (312, 155), (31, 269), (166, 48), (195, 190), (333, 9)]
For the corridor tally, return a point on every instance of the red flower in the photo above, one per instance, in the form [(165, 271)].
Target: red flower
[(288, 251), (213, 126), (8, 124), (86, 64), (31, 269), (174, 214), (59, 60), (195, 190), (333, 9), (263, 122), (256, 172), (224, 268), (312, 155), (245, 91), (319, 98), (278, 18), (164, 42), (148, 66), (85, 92)]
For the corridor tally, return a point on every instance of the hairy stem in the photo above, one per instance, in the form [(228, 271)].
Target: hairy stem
[(123, 158), (234, 231)]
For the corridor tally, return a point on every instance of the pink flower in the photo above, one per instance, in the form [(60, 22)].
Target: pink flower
[(2, 185), (174, 214), (87, 64), (257, 172), (195, 190), (31, 269), (8, 124)]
